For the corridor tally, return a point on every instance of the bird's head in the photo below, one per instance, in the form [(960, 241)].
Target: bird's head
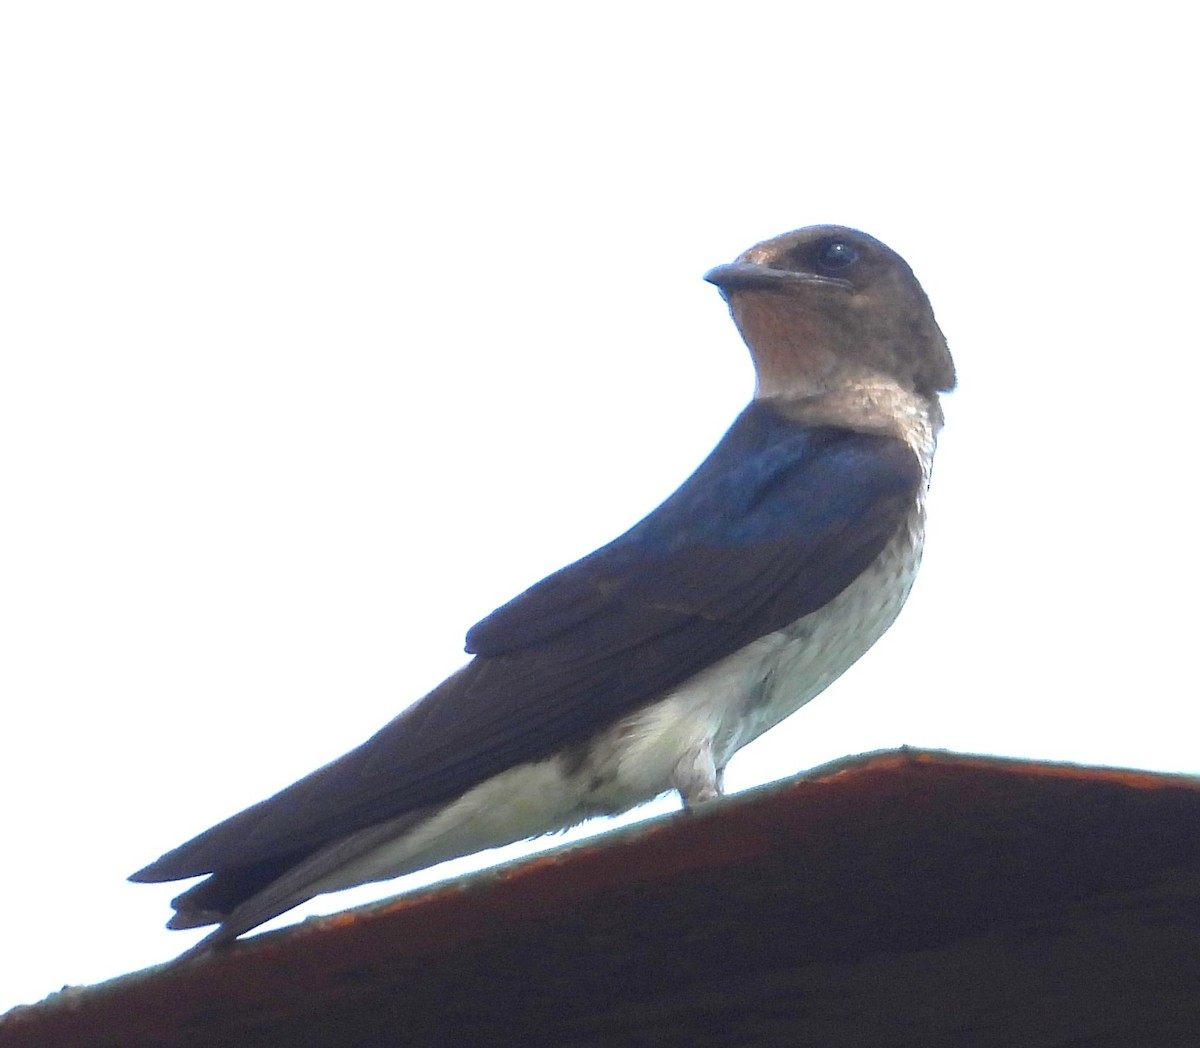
[(826, 305)]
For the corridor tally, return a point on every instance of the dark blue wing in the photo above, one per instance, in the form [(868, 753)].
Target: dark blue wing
[(777, 521)]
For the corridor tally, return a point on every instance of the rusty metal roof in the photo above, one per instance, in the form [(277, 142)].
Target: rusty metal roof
[(901, 898)]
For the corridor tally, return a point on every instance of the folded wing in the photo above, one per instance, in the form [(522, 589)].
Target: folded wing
[(778, 520)]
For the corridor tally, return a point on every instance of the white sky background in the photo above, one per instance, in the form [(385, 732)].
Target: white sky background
[(328, 328)]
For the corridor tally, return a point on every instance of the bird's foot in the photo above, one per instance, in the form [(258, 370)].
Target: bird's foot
[(697, 777)]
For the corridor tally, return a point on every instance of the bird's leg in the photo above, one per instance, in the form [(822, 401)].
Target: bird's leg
[(697, 777)]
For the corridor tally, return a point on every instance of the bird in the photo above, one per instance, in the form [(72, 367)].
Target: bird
[(645, 666)]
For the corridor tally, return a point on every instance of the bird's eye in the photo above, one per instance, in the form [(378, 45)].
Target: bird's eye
[(836, 255)]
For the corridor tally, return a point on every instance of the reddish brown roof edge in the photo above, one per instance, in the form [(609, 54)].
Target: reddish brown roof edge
[(841, 839), (1136, 777)]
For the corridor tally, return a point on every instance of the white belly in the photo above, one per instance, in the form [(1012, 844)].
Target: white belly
[(724, 707)]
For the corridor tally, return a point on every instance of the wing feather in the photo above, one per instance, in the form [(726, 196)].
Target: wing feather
[(777, 521)]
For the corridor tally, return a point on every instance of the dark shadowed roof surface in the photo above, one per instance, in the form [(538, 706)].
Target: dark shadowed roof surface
[(899, 899)]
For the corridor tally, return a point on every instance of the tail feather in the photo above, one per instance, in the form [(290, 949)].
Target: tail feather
[(213, 899), (240, 899)]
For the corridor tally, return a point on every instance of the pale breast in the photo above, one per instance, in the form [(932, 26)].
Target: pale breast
[(738, 698), (820, 647)]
